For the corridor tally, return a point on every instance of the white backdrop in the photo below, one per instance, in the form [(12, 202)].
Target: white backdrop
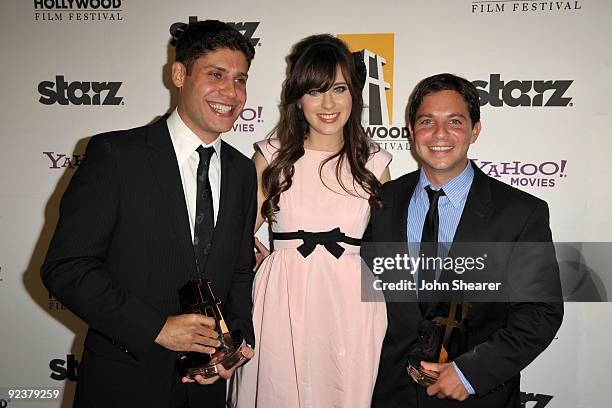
[(559, 153)]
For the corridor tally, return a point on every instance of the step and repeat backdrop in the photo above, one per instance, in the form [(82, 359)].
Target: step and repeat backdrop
[(74, 68)]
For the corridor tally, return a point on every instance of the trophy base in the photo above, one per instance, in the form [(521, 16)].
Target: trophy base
[(192, 364), (212, 369), (421, 376)]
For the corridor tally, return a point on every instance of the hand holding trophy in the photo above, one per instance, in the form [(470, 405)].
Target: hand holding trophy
[(441, 338), (197, 297)]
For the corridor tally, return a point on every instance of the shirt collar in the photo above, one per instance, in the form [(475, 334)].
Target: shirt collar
[(185, 142), (456, 189)]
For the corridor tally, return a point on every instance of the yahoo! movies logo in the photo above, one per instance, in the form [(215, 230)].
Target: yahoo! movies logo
[(63, 161), (78, 10), (545, 93), (246, 28), (378, 54), (525, 174), (63, 92), (249, 119)]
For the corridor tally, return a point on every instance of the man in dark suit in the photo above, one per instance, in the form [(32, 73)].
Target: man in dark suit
[(503, 337), (149, 209)]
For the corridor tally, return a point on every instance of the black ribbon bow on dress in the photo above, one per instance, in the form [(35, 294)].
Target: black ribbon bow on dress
[(329, 239)]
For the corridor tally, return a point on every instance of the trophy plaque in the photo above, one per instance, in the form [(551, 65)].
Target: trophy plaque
[(441, 338), (197, 297)]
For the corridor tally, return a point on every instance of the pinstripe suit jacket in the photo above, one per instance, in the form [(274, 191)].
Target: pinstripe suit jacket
[(121, 251)]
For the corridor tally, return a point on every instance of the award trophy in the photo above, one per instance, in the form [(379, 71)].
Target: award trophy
[(197, 297), (440, 339)]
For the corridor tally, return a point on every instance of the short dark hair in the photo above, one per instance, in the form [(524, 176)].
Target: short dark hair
[(444, 82), (195, 39)]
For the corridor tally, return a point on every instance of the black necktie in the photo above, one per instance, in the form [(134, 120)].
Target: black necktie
[(429, 241), (204, 221)]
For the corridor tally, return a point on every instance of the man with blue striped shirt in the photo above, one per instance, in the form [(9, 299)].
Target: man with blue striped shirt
[(444, 120)]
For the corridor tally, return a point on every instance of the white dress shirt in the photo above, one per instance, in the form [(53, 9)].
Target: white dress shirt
[(185, 143)]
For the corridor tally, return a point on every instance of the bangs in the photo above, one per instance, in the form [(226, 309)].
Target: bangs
[(320, 72)]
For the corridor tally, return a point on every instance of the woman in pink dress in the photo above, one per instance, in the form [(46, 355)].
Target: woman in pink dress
[(317, 343)]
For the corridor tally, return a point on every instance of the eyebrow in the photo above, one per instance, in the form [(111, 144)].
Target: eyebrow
[(450, 115), (220, 68)]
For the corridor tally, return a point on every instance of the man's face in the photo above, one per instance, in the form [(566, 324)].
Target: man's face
[(212, 96), (442, 134)]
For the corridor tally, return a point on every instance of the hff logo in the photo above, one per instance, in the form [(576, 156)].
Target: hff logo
[(378, 55)]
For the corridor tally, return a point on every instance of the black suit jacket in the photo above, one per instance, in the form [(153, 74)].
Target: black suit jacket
[(121, 251), (503, 337)]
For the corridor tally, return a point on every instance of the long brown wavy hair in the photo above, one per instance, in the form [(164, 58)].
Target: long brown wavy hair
[(312, 65)]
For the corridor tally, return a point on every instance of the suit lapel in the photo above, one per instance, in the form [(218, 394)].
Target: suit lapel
[(477, 211), (476, 214), (227, 180), (165, 168), (400, 207), (399, 219)]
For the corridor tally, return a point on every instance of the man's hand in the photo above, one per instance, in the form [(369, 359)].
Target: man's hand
[(189, 332), (261, 252), (448, 385), (246, 350)]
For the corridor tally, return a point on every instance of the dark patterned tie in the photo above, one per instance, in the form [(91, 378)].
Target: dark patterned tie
[(204, 221), (429, 242)]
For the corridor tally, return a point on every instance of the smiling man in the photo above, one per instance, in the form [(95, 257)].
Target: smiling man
[(149, 209), (450, 200)]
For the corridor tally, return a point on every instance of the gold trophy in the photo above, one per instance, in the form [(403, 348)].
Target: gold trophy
[(441, 338), (197, 297)]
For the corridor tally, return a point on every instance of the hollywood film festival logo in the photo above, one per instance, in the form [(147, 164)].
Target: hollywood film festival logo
[(54, 304), (79, 10), (378, 54), (524, 6)]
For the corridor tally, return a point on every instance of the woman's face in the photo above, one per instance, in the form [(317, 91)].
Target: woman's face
[(327, 112)]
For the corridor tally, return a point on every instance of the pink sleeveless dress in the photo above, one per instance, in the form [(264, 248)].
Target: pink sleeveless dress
[(317, 344)]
